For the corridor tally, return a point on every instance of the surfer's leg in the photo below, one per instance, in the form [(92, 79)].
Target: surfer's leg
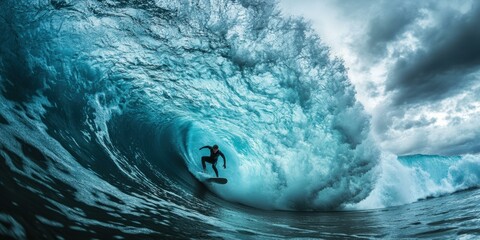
[(203, 162), (215, 169)]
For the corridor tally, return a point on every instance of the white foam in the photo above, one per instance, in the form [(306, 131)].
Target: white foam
[(402, 184)]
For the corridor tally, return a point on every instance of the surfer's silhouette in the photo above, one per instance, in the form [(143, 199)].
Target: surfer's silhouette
[(214, 153)]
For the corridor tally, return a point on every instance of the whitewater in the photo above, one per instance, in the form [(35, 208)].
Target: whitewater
[(105, 104)]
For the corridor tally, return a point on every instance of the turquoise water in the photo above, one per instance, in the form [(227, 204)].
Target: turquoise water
[(104, 105)]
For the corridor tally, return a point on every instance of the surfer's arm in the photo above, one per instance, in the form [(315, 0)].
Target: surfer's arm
[(205, 147)]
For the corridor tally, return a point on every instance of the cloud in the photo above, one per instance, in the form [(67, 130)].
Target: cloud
[(447, 127), (416, 123), (445, 62), (431, 54), (387, 26)]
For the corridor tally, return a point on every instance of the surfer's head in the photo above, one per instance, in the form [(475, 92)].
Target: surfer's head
[(215, 147)]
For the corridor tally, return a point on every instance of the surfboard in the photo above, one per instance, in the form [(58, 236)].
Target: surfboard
[(217, 180)]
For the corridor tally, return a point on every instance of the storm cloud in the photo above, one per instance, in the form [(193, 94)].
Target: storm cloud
[(415, 66), (387, 26), (445, 62)]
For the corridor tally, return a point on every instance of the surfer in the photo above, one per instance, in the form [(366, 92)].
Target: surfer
[(214, 153)]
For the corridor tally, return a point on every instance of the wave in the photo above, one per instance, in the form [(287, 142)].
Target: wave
[(111, 100), (407, 179)]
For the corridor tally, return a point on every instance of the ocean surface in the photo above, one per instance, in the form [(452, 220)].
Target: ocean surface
[(105, 103)]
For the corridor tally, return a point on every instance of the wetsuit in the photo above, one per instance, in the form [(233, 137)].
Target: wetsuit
[(212, 159)]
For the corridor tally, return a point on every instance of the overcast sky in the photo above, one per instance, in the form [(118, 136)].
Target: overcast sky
[(415, 66)]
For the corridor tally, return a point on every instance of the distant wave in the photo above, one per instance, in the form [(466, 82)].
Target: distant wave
[(407, 179)]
